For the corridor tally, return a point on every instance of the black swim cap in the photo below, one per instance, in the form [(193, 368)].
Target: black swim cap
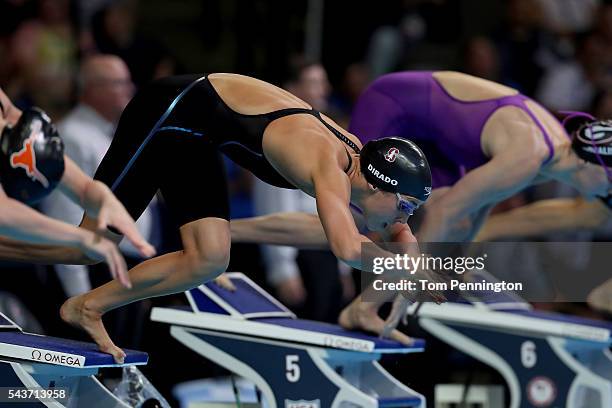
[(396, 165), (31, 157), (593, 142)]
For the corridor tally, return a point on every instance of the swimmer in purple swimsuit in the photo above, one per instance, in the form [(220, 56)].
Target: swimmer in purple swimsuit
[(483, 140)]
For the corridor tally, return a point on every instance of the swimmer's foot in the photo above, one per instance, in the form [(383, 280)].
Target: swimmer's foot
[(225, 282), (76, 312), (364, 316)]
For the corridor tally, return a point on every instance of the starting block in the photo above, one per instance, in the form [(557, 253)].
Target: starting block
[(41, 371), (294, 363), (547, 359)]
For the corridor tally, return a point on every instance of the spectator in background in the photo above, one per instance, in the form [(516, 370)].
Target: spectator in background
[(12, 14), (563, 19), (418, 22), (308, 80), (572, 85), (602, 104), (113, 31), (568, 16), (481, 59), (307, 281), (355, 80), (105, 88), (604, 21), (604, 31), (43, 57), (520, 42)]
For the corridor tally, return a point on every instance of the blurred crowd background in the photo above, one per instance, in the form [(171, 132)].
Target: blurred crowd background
[(82, 60)]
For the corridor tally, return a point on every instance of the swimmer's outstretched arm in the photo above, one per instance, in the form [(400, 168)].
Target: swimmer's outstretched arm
[(23, 223), (554, 215), (20, 251), (20, 222), (295, 229), (496, 180), (545, 216), (301, 230)]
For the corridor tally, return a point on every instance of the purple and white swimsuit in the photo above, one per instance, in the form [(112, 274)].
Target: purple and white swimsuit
[(414, 105)]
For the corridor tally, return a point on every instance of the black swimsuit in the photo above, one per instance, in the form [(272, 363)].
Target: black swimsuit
[(169, 138)]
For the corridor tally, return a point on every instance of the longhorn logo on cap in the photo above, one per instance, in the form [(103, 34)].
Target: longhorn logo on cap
[(26, 159), (392, 154)]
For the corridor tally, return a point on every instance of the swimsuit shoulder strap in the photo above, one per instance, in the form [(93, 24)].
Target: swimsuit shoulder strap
[(343, 138), (287, 112), (292, 111), (519, 102)]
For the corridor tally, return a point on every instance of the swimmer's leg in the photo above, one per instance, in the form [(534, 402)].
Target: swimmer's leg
[(200, 206), (205, 255)]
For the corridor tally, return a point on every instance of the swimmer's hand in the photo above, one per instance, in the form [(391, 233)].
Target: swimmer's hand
[(402, 301), (225, 282), (361, 315), (101, 204), (398, 313), (399, 310), (428, 295), (96, 247)]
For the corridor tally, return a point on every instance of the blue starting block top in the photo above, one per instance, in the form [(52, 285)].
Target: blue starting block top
[(253, 312), (335, 330), (53, 350), (15, 344), (249, 301), (563, 318), (30, 362), (535, 322), (399, 402)]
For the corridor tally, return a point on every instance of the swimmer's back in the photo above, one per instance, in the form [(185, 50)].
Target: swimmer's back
[(416, 106), (251, 96)]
